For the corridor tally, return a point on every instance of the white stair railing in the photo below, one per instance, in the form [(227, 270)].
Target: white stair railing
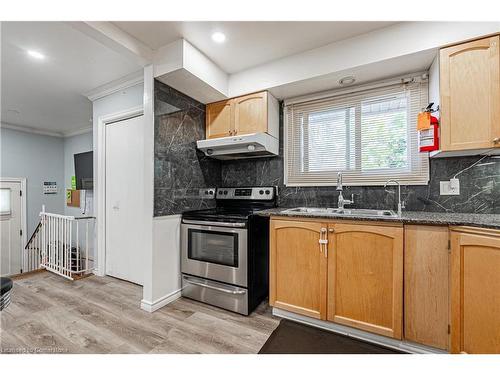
[(61, 244)]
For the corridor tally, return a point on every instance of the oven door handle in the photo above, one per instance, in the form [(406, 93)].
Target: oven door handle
[(214, 223), (228, 291)]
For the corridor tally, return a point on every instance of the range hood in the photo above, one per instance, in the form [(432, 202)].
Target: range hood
[(255, 145)]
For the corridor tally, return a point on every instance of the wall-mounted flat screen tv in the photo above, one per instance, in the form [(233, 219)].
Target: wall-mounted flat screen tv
[(84, 171)]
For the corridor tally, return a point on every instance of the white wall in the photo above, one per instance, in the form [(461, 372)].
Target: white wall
[(399, 40), (75, 145), (117, 102), (434, 83), (166, 269), (38, 158)]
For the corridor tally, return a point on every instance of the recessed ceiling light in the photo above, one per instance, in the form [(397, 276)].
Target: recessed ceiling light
[(218, 37), (345, 81), (36, 55)]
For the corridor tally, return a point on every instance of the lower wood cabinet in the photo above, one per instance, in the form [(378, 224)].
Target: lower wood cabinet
[(298, 278), (426, 285), (351, 273), (365, 277), (347, 273), (475, 290)]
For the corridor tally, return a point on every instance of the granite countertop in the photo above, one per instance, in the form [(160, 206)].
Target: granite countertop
[(408, 217)]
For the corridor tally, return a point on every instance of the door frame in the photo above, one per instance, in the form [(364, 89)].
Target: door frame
[(100, 183), (24, 237)]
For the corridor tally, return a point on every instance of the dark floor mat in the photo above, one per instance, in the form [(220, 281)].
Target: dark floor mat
[(295, 338)]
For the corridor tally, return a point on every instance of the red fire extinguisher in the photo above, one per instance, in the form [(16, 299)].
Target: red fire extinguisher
[(429, 138)]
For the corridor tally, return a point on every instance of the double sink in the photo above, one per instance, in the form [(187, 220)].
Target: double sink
[(347, 212)]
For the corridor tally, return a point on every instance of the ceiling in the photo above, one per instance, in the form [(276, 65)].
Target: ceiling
[(48, 94), (248, 43)]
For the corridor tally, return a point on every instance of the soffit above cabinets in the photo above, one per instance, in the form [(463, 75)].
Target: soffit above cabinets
[(248, 44), (387, 52)]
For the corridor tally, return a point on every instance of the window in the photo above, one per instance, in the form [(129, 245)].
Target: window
[(369, 135), (5, 201)]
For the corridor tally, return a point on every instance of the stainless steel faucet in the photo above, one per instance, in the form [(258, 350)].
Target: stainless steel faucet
[(400, 205), (341, 200)]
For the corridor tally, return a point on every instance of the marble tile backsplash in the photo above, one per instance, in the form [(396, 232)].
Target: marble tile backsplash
[(181, 171), (479, 186)]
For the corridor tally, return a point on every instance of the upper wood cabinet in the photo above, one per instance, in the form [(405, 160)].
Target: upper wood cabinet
[(365, 277), (475, 290), (253, 113), (426, 285), (298, 267), (470, 95), (250, 113), (219, 116)]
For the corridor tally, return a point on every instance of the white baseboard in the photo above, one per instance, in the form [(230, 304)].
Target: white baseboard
[(160, 302), (403, 346)]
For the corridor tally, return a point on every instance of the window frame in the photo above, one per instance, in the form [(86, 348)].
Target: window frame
[(415, 173)]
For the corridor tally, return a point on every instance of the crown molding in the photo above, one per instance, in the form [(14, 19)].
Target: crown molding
[(115, 86), (28, 129), (49, 133), (80, 131)]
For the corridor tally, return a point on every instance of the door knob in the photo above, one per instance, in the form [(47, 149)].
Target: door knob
[(496, 140)]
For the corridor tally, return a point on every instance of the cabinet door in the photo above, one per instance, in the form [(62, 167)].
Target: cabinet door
[(475, 291), (426, 285), (250, 113), (298, 267), (470, 95), (219, 119), (365, 277)]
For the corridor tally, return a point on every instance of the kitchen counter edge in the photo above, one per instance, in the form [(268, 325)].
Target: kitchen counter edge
[(408, 217)]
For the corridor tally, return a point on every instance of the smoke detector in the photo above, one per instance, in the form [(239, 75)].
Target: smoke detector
[(346, 81)]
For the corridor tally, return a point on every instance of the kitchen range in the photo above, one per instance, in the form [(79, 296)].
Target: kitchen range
[(225, 250)]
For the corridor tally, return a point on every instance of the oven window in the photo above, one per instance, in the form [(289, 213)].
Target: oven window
[(213, 247)]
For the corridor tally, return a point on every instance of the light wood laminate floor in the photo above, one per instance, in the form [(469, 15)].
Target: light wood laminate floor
[(49, 314)]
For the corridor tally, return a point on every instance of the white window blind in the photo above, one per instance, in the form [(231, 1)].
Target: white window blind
[(369, 135)]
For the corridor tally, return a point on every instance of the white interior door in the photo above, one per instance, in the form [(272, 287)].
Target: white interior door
[(10, 228), (125, 199)]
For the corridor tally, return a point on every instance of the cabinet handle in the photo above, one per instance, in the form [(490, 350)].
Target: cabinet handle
[(323, 241), (496, 140)]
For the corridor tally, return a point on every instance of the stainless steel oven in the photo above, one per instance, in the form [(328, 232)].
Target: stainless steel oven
[(225, 249), (215, 250)]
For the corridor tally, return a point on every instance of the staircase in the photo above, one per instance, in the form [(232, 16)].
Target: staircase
[(60, 244)]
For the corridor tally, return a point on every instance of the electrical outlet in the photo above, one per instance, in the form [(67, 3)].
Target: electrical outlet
[(451, 187)]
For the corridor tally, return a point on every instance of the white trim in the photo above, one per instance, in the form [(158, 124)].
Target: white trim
[(28, 129), (388, 342), (417, 76), (80, 131), (160, 302), (109, 88), (100, 182), (24, 207), (49, 133)]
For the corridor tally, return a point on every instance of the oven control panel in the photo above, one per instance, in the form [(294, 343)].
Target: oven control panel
[(251, 193)]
